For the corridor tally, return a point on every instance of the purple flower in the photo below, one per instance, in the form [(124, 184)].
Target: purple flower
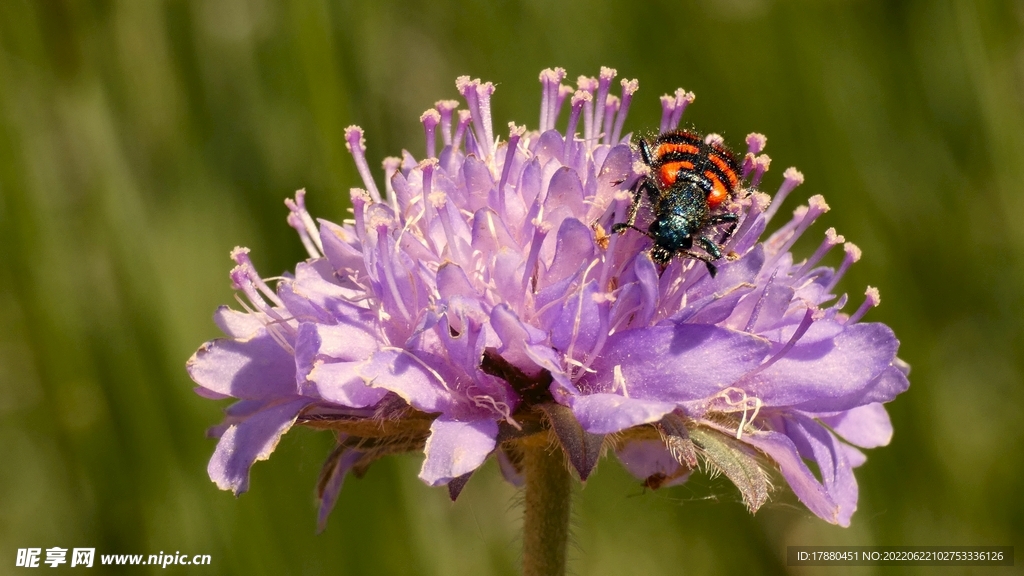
[(479, 302)]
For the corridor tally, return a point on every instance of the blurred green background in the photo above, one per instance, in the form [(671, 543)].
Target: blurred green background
[(141, 140)]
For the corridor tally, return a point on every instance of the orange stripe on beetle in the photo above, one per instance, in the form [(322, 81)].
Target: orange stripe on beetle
[(668, 172), (669, 148), (726, 168), (719, 192)]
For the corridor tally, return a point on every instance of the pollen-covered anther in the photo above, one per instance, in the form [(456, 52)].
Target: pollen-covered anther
[(759, 201), (245, 273), (852, 254), (603, 83), (550, 79), (245, 279), (478, 99), (299, 219), (579, 98), (756, 143), (437, 199), (354, 139), (240, 254), (629, 87), (379, 217), (445, 109), (852, 251), (356, 144), (360, 199), (430, 119), (668, 106), (761, 165), (714, 139), (683, 99), (817, 205), (465, 116), (832, 238), (515, 133), (872, 299), (587, 83), (791, 179)]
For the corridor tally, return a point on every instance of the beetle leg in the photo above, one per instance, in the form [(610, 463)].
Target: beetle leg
[(707, 260), (722, 218), (645, 186), (645, 152)]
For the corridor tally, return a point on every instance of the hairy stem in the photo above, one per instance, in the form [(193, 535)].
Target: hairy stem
[(546, 515)]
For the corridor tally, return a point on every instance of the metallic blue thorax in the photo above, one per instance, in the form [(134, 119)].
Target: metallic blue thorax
[(681, 213)]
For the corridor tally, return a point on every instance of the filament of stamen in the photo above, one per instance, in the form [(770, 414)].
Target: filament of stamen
[(356, 144), (628, 88)]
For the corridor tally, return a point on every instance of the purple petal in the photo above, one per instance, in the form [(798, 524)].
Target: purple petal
[(815, 442), (853, 456), (340, 382), (252, 369), (237, 324), (530, 182), (866, 426), (549, 145), (456, 448), (515, 336), (338, 247), (315, 280), (799, 477), (578, 325), (478, 182), (410, 377), (565, 192), (332, 487), (236, 413), (490, 233), (248, 441), (452, 281), (347, 342), (647, 279), (615, 170), (574, 248), (677, 363), (608, 413), (891, 383), (811, 374)]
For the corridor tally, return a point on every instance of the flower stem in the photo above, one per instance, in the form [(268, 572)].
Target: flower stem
[(546, 515)]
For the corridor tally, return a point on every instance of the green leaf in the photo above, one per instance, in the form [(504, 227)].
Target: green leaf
[(734, 459)]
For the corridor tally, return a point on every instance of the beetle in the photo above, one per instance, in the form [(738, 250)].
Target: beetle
[(690, 179)]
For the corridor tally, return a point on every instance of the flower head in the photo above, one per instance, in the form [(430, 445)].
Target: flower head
[(480, 302)]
